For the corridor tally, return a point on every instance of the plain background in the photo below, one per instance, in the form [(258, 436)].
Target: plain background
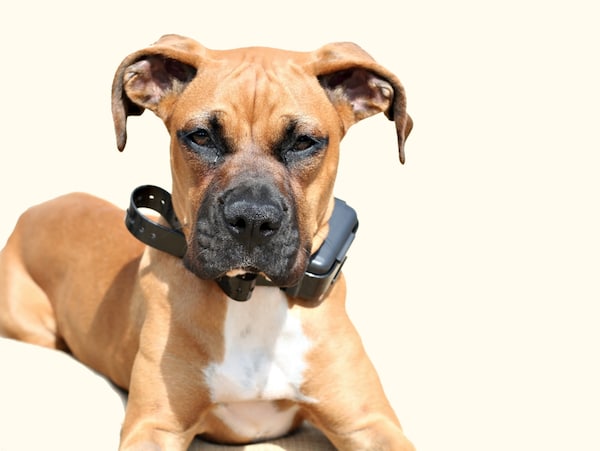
[(474, 275)]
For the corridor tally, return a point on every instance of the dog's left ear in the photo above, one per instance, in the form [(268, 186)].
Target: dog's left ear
[(359, 87), (151, 78)]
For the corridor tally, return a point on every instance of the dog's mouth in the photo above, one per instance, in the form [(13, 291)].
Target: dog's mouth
[(242, 272), (283, 262), (247, 273), (282, 272)]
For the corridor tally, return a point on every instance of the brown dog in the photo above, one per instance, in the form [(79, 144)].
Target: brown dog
[(255, 137)]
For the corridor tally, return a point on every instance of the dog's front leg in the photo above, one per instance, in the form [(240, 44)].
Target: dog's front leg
[(347, 401), (351, 409), (163, 405)]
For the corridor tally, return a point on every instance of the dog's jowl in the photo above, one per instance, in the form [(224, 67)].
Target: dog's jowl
[(255, 137)]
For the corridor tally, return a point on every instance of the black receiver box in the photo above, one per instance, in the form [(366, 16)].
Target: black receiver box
[(325, 265)]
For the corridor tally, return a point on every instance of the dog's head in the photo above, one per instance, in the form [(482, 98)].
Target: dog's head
[(255, 137)]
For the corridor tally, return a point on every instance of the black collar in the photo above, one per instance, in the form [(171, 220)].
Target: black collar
[(169, 240), (311, 288)]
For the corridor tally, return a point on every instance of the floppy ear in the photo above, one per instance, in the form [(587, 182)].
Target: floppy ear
[(151, 78), (358, 87)]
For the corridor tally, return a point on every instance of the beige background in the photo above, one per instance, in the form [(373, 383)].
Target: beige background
[(474, 276)]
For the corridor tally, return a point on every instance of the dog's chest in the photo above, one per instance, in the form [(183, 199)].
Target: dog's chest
[(264, 361), (265, 349)]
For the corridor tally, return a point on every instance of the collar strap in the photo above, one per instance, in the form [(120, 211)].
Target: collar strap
[(170, 240), (316, 282)]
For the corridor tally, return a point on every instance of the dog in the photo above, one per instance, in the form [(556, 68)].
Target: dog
[(255, 137)]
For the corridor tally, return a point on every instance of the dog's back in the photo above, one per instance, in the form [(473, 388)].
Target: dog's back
[(56, 248)]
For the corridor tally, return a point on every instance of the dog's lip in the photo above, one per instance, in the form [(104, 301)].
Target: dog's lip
[(241, 272)]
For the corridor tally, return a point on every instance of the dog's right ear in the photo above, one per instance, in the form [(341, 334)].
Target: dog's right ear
[(152, 78)]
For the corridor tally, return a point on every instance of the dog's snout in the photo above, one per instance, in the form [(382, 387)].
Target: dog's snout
[(249, 226), (253, 219)]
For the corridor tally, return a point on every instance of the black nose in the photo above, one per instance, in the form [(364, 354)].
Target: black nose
[(253, 217)]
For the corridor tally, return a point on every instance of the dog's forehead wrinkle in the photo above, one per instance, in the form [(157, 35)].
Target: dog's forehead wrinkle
[(262, 83)]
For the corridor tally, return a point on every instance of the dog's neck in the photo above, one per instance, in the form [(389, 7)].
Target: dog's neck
[(311, 289)]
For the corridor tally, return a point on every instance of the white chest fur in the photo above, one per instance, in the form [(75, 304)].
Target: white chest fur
[(264, 360), (265, 351)]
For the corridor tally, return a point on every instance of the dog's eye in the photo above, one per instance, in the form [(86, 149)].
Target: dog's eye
[(303, 142), (200, 138), (298, 148), (202, 142)]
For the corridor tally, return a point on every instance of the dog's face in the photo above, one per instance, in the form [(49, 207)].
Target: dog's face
[(255, 138), (255, 159)]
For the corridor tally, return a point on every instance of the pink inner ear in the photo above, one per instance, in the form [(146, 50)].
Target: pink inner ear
[(143, 83), (366, 93), (181, 71), (147, 80)]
